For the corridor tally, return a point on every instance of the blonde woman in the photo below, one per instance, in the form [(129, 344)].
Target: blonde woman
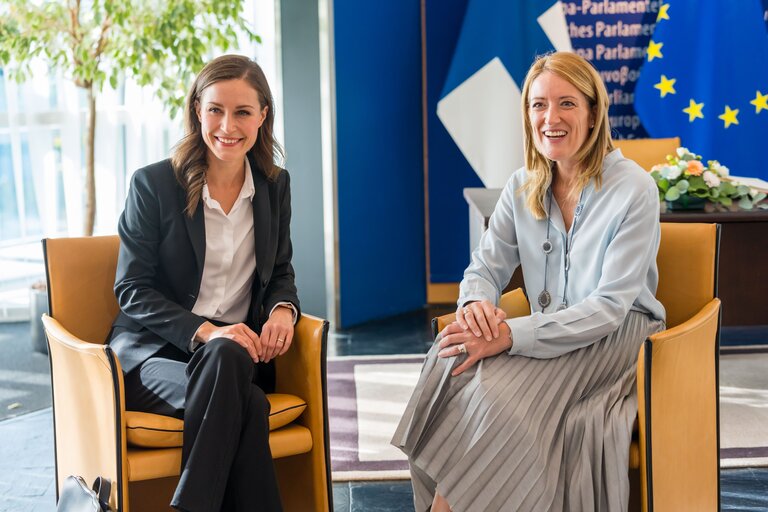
[(535, 413)]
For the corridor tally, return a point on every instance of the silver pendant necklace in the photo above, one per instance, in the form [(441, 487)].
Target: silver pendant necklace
[(545, 299)]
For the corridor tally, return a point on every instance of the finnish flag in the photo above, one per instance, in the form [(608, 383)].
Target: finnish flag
[(480, 101)]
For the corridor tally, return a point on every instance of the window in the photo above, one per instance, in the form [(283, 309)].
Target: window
[(42, 157)]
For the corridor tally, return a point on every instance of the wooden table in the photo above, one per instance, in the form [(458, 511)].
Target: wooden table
[(743, 274)]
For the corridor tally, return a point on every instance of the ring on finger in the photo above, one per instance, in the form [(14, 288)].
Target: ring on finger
[(467, 311), (462, 348), (280, 340)]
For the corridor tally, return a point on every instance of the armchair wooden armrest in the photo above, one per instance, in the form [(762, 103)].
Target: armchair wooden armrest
[(677, 403), (86, 408), (302, 372)]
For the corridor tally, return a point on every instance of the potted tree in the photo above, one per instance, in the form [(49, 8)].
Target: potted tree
[(162, 44)]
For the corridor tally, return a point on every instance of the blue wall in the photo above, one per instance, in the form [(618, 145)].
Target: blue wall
[(379, 158), (449, 172)]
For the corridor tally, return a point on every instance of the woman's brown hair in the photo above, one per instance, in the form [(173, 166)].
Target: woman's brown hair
[(189, 155), (582, 75)]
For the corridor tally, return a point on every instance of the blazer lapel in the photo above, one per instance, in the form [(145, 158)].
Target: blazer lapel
[(196, 231), (262, 215)]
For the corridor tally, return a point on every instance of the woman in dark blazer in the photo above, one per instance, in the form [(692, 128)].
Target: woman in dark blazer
[(206, 288)]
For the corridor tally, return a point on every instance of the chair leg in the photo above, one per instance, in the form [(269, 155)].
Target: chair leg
[(152, 495), (635, 491)]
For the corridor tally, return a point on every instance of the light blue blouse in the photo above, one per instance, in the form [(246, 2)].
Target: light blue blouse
[(612, 252)]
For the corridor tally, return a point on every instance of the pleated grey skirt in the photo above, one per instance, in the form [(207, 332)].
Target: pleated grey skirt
[(519, 434)]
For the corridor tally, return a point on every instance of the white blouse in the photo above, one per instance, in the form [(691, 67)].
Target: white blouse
[(613, 247), (230, 261)]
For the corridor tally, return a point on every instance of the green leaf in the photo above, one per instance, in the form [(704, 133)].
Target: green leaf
[(663, 184), (727, 201), (682, 185), (672, 194), (697, 183), (727, 188)]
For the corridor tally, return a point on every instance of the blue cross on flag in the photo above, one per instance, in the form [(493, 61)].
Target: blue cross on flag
[(480, 102), (705, 80)]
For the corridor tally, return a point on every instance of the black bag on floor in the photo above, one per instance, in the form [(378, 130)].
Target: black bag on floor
[(77, 497)]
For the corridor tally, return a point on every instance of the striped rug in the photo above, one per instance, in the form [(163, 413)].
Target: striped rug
[(744, 406), (367, 396)]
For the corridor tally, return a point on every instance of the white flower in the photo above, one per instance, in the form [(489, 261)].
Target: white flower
[(674, 172), (722, 170), (711, 179), (681, 152), (670, 172)]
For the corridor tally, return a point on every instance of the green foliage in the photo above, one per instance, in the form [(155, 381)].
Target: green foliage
[(672, 194), (162, 43), (683, 176)]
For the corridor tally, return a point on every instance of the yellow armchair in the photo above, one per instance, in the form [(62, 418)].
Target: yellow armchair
[(676, 445), (141, 453), (647, 152)]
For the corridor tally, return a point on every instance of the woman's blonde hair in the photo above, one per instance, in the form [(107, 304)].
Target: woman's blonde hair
[(582, 75), (189, 155)]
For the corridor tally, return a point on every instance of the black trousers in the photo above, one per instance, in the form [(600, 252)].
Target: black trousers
[(226, 462)]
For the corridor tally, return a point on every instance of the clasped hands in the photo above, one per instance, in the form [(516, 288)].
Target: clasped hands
[(275, 340), (479, 332)]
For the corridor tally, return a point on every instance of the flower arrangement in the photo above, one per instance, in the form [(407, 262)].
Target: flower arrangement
[(684, 182)]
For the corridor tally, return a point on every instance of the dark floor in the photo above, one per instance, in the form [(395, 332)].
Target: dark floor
[(26, 442)]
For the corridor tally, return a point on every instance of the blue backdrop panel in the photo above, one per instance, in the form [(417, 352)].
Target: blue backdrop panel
[(449, 171), (603, 32), (379, 155)]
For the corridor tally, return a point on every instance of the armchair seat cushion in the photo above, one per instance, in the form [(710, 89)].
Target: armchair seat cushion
[(284, 409), (634, 455), (148, 430), (148, 464)]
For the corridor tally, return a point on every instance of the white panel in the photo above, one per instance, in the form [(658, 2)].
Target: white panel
[(483, 117), (553, 24)]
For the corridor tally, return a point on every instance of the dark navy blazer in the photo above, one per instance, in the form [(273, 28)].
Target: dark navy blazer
[(160, 265)]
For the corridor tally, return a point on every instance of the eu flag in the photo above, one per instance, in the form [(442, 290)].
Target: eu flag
[(705, 80), (480, 103)]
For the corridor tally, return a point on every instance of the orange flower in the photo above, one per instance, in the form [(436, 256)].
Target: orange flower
[(695, 168)]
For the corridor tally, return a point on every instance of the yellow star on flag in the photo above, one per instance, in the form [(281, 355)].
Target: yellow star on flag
[(760, 102), (694, 110), (729, 116), (654, 51), (666, 86), (663, 15)]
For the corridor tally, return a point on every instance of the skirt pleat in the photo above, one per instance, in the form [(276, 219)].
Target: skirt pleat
[(515, 434)]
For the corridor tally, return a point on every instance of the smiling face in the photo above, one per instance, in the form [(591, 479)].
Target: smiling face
[(560, 117), (230, 115)]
